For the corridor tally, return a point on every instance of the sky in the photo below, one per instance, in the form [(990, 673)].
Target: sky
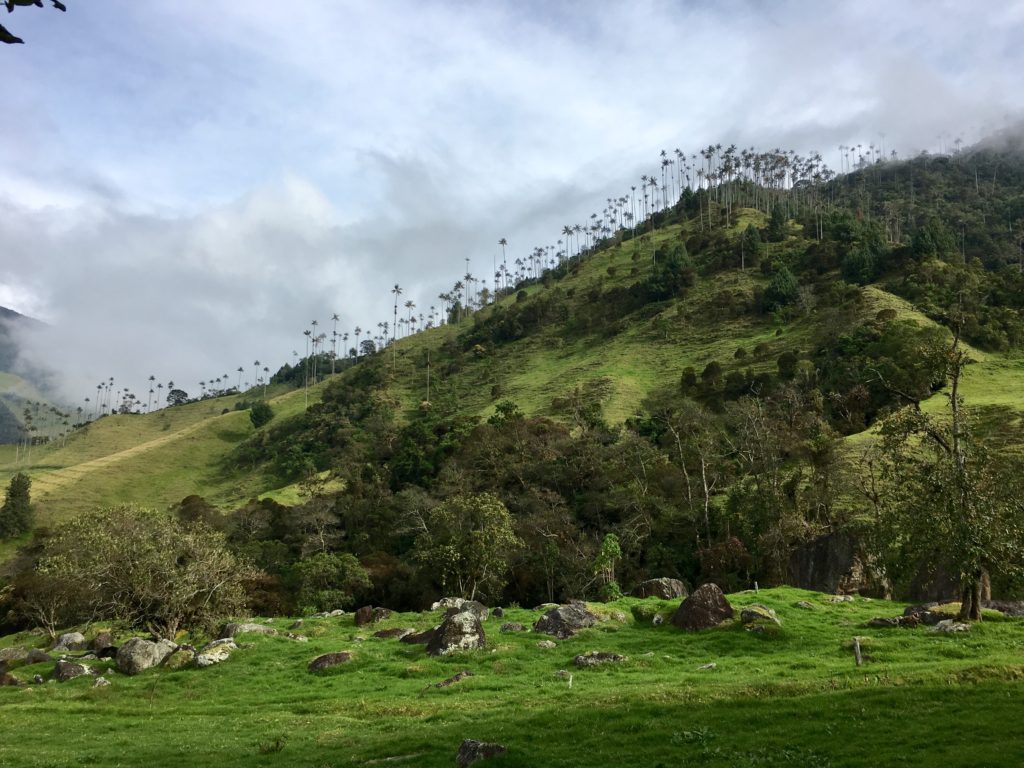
[(186, 184)]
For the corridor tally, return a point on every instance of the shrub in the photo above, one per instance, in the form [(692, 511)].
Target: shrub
[(16, 512), (260, 414)]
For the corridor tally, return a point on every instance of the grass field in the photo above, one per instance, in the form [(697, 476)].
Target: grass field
[(794, 698)]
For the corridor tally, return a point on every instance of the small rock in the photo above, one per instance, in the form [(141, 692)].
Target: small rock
[(618, 616), (297, 638), (329, 661), (594, 658), (103, 639), (546, 645), (295, 625), (841, 599), (101, 682), (512, 626), (69, 670), (951, 625), (370, 615), (215, 653), (472, 751), (498, 613), (37, 680), (36, 656), (562, 673), (71, 641), (230, 630), (712, 665), (7, 679), (806, 605), (658, 620), (454, 679), (754, 616)]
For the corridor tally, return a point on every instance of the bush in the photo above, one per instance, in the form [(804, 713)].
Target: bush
[(260, 414), (139, 566), (326, 581), (16, 512)]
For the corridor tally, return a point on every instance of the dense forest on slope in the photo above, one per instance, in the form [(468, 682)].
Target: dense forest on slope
[(693, 394)]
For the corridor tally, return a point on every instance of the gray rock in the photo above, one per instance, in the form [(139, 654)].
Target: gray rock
[(140, 654), (215, 653), (329, 661), (565, 620), (104, 639), (546, 645), (758, 616), (512, 626), (472, 751), (710, 666), (295, 625), (461, 632), (447, 602), (665, 588), (705, 608), (14, 654), (658, 620), (478, 609), (69, 670), (596, 658), (803, 604), (370, 615), (231, 630), (36, 656), (841, 599), (951, 625), (101, 682), (37, 680), (70, 641)]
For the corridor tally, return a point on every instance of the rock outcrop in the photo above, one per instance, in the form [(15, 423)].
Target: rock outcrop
[(705, 608)]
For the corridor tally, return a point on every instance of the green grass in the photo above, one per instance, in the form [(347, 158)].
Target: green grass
[(794, 698)]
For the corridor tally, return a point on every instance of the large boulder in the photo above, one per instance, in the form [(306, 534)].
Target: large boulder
[(139, 654), (70, 641), (104, 639), (69, 670), (461, 632), (230, 630), (475, 607), (565, 620), (370, 615), (665, 588), (447, 602), (472, 751), (596, 658), (705, 608)]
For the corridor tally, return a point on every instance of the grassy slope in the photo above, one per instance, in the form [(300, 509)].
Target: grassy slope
[(917, 695)]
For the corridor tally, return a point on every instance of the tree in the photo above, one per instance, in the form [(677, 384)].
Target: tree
[(146, 568), (467, 542), (943, 493), (5, 35), (16, 512), (782, 289), (604, 566), (326, 581), (261, 413), (176, 396)]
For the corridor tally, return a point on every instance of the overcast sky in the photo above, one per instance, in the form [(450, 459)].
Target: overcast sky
[(186, 184)]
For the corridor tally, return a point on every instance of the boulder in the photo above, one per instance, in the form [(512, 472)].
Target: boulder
[(104, 639), (215, 652), (7, 679), (36, 656), (951, 625), (478, 609), (512, 626), (564, 621), (546, 645), (329, 661), (498, 613), (328, 614), (665, 588), (185, 656), (419, 638), (70, 641), (755, 616), (230, 630), (1012, 608), (461, 632), (14, 654), (705, 608), (596, 658), (447, 602), (69, 670), (473, 751), (140, 654), (370, 615)]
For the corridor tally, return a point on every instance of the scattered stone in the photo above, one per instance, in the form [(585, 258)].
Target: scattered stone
[(70, 641), (658, 620), (101, 682), (454, 679), (756, 616), (69, 670), (37, 680), (461, 632), (215, 653), (370, 615), (230, 630), (512, 626), (14, 654), (595, 658), (807, 606), (419, 638), (705, 608), (546, 645), (447, 602), (36, 656), (564, 621), (618, 616), (104, 639), (665, 588), (391, 634), (295, 624), (545, 606), (328, 614), (472, 751), (562, 673), (329, 661), (140, 654), (951, 625), (498, 613), (712, 665), (841, 599), (7, 679)]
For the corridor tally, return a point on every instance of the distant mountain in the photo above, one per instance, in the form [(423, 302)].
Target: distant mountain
[(9, 320), (16, 389)]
